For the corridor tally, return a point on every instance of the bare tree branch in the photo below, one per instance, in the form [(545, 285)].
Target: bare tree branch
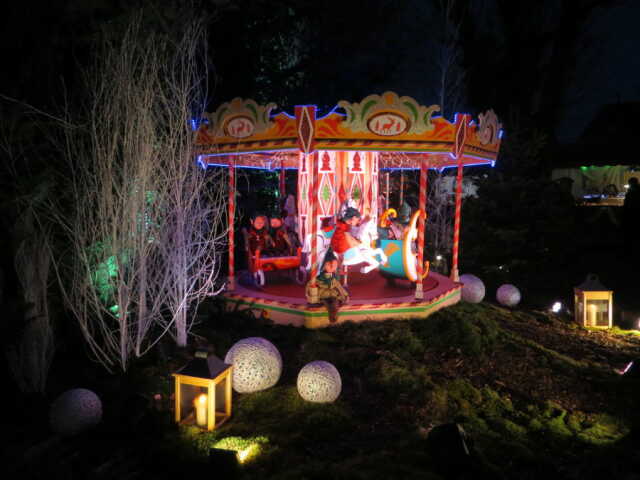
[(146, 228)]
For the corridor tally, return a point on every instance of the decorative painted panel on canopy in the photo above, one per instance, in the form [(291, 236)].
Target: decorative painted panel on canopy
[(405, 132)]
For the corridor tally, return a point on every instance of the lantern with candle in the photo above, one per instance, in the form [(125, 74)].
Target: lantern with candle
[(203, 392), (593, 303)]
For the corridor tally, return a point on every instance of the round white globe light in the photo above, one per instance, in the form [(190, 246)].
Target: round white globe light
[(257, 364), (319, 382), (75, 411), (508, 295), (472, 288)]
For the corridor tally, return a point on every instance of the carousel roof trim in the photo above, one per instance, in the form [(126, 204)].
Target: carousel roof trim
[(384, 123)]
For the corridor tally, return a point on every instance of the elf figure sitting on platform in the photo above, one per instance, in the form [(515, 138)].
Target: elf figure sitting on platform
[(330, 292), (353, 251)]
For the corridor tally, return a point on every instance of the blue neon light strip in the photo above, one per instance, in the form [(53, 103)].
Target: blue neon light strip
[(333, 110)]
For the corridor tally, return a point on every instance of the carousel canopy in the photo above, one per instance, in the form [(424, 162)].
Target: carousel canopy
[(404, 133)]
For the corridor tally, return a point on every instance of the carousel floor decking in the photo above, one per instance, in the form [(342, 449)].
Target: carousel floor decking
[(371, 298)]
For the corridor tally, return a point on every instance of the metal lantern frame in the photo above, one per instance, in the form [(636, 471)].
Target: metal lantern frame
[(205, 371), (586, 309)]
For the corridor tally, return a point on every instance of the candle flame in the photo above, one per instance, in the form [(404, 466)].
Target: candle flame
[(202, 399)]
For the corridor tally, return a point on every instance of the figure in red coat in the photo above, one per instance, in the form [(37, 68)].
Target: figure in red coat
[(342, 239)]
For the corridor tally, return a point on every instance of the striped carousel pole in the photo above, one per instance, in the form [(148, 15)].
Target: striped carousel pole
[(456, 226), (422, 206), (231, 284), (313, 223), (283, 182), (386, 194)]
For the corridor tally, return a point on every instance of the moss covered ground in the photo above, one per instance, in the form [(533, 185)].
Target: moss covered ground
[(537, 396)]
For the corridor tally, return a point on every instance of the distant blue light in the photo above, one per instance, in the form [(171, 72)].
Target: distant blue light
[(500, 133), (195, 123)]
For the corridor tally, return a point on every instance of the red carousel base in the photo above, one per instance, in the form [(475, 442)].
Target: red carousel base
[(372, 297)]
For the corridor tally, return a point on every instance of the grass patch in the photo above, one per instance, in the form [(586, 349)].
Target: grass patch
[(394, 385)]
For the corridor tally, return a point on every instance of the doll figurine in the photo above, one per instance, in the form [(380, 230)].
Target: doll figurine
[(330, 292), (400, 223), (342, 240), (280, 238), (258, 236)]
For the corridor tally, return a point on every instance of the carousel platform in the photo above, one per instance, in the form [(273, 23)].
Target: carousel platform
[(372, 297)]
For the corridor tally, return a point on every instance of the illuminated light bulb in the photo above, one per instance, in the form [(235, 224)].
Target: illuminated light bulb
[(201, 410), (438, 257), (556, 307)]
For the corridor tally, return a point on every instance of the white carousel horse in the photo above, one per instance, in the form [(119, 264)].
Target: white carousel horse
[(323, 241), (367, 234)]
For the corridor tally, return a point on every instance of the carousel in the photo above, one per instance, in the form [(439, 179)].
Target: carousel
[(343, 160)]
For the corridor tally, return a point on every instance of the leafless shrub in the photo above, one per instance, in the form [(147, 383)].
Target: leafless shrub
[(145, 227)]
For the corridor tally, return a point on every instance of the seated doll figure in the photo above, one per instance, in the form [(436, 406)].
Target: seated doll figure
[(330, 292), (290, 225), (384, 225), (399, 225), (258, 236), (281, 244)]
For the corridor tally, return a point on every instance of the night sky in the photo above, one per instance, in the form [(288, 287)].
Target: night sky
[(301, 51), (612, 73)]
